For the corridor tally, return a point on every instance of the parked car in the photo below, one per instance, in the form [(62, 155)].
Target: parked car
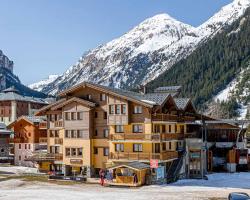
[(238, 196)]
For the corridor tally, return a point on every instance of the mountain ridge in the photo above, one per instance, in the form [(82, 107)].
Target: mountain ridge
[(144, 52)]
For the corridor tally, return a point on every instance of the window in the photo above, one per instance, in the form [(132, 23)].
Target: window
[(20, 158), (67, 151), (175, 128), (20, 146), (95, 150), (111, 109), (106, 133), (169, 129), (29, 146), (105, 116), (124, 108), (117, 109), (164, 148), (67, 133), (119, 129), (56, 133), (73, 134), (137, 128), (157, 128), (67, 115), (79, 152), (96, 132), (119, 147), (25, 147), (80, 134), (80, 116), (137, 147), (73, 116), (73, 150), (105, 151), (163, 128), (137, 110), (170, 146), (96, 114), (102, 97)]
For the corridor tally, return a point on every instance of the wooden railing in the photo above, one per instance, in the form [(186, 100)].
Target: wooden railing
[(43, 125), (58, 141), (59, 123), (17, 140), (146, 137), (168, 117), (143, 156), (45, 157), (164, 117), (43, 140)]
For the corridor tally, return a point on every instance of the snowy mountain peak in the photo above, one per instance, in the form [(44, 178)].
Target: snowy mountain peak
[(144, 52), (39, 85)]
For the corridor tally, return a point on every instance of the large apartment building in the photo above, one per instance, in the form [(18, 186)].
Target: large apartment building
[(92, 127), (14, 105)]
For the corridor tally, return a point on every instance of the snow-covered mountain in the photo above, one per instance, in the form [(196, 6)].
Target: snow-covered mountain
[(40, 85), (144, 52)]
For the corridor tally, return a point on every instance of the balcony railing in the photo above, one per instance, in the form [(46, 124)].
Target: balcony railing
[(58, 141), (168, 117), (59, 123), (43, 125), (43, 140), (164, 117), (45, 157), (146, 137), (17, 140), (143, 156)]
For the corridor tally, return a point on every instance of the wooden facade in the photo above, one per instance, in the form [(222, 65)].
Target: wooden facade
[(100, 127)]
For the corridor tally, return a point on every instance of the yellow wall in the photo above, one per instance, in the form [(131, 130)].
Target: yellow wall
[(99, 159)]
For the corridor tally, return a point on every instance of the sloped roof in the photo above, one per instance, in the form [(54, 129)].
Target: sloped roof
[(149, 99), (167, 88), (10, 95), (182, 103), (74, 99), (30, 119), (133, 165)]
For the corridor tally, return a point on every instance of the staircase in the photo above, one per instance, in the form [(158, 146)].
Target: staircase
[(173, 173)]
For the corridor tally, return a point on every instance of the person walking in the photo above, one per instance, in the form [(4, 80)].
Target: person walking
[(102, 176), (135, 179)]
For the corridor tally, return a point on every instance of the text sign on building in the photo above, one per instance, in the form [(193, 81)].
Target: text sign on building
[(75, 161), (153, 163)]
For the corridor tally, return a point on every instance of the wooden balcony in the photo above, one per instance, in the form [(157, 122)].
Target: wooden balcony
[(17, 140), (161, 117), (43, 125), (43, 140), (58, 141), (59, 124), (134, 136), (38, 157), (164, 117), (157, 137), (130, 156)]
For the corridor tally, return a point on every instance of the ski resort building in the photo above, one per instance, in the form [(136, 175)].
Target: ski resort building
[(30, 137), (94, 127), (14, 105)]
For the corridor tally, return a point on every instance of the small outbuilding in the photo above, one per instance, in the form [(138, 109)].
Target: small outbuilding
[(129, 174)]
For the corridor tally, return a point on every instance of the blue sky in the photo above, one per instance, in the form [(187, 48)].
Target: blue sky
[(45, 37)]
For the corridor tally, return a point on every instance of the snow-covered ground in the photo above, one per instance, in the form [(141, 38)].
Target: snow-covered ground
[(217, 186), (17, 170)]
